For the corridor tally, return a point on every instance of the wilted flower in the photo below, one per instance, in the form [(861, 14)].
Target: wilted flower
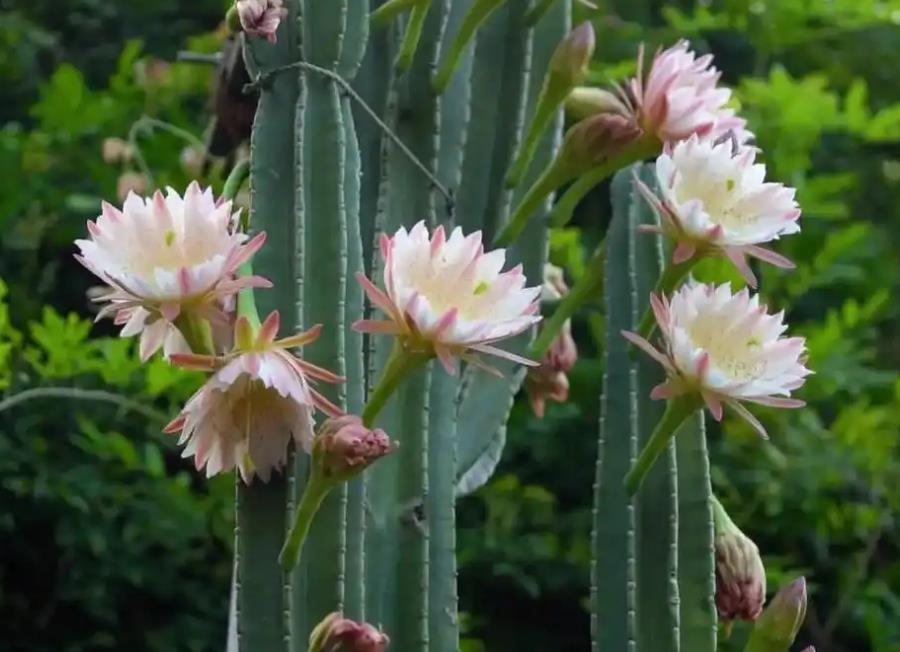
[(447, 297), (596, 139), (740, 574), (167, 258), (338, 634), (259, 397), (726, 348), (261, 17), (344, 447), (715, 200)]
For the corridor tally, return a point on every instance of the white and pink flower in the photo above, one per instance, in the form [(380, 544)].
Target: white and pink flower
[(680, 97), (257, 400), (448, 297), (726, 348), (166, 258), (715, 200), (261, 17)]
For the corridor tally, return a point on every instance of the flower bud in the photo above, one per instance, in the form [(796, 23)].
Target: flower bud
[(740, 577), (585, 101), (777, 627), (554, 286), (131, 182), (543, 384), (338, 634), (191, 159), (595, 140), (261, 17), (344, 447), (569, 64), (116, 150)]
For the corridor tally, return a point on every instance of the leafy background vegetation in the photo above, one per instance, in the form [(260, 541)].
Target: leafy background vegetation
[(110, 541)]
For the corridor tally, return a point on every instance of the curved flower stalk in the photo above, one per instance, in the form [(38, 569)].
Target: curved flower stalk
[(258, 398), (714, 200), (447, 298), (170, 263), (718, 349)]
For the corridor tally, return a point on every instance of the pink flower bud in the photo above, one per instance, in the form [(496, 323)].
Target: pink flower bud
[(569, 64), (130, 182), (344, 447), (261, 17), (338, 634), (563, 353), (116, 150), (740, 577)]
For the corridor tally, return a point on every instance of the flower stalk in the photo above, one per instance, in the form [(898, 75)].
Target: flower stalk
[(672, 276), (677, 412), (475, 17)]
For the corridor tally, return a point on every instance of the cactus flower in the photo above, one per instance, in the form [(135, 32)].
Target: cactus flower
[(448, 298), (740, 574), (726, 349), (165, 260), (261, 17), (344, 447), (338, 634), (714, 200), (680, 97), (258, 398)]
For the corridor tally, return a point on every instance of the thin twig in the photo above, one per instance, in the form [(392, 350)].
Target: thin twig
[(79, 394), (146, 124), (263, 79), (187, 56)]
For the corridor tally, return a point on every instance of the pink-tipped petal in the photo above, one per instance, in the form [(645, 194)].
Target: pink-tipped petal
[(745, 414), (714, 404), (269, 329)]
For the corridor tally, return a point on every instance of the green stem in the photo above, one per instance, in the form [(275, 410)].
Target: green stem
[(474, 18), (721, 519), (413, 34), (315, 492), (552, 178), (677, 412), (552, 96), (565, 207), (197, 332), (246, 300), (236, 178), (671, 277), (400, 364), (588, 286), (390, 10), (538, 11)]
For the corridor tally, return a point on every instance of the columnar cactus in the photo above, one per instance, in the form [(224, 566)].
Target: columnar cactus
[(382, 195)]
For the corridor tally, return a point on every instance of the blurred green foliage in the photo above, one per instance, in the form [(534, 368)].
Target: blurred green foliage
[(110, 541)]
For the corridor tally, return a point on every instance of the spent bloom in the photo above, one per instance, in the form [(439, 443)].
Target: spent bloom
[(726, 348), (550, 380), (344, 447), (338, 634), (257, 399), (261, 17), (164, 258), (447, 297), (714, 200)]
